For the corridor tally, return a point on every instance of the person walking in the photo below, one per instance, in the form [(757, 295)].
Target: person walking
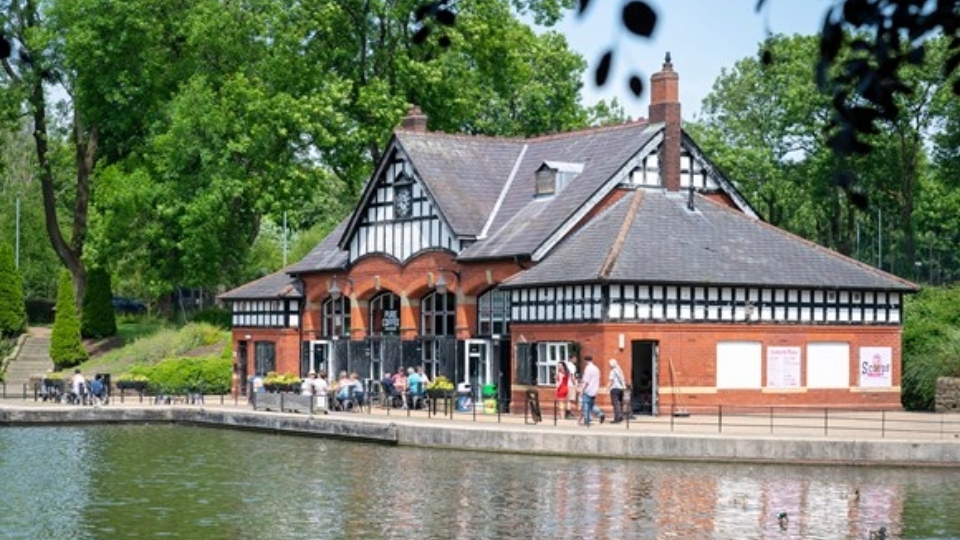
[(563, 389), (591, 386), (617, 385), (573, 385)]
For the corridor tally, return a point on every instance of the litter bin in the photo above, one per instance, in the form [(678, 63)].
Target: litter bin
[(489, 394), (464, 400)]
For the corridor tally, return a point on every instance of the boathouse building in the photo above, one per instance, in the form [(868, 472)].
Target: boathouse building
[(489, 260)]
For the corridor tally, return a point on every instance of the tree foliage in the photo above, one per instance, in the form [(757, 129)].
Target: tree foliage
[(931, 344), (13, 311), (98, 319), (66, 349)]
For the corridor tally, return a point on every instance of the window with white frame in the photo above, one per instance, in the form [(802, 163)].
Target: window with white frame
[(549, 354), (493, 313), (335, 315)]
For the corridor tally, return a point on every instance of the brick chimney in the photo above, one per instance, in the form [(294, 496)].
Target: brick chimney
[(415, 120), (665, 108)]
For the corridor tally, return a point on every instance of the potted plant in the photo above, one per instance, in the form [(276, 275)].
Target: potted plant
[(439, 387), (281, 382)]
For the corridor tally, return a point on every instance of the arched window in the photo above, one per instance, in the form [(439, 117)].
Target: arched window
[(493, 313), (335, 317), (384, 323), (438, 317), (385, 315)]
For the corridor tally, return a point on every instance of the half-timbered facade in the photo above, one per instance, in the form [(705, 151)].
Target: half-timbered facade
[(490, 260)]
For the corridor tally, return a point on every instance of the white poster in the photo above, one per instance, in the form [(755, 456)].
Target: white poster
[(876, 367), (783, 367)]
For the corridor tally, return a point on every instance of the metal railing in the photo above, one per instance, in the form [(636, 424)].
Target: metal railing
[(801, 422)]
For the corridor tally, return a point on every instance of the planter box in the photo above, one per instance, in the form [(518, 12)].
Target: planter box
[(267, 402)]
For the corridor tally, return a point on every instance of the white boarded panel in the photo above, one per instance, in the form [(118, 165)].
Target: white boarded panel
[(738, 364), (828, 365)]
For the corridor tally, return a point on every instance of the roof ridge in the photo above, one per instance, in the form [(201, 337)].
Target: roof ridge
[(640, 122), (617, 247)]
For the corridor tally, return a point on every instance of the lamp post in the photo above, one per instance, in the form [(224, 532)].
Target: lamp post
[(335, 292), (17, 248)]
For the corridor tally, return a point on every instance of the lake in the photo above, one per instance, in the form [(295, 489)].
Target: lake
[(166, 481)]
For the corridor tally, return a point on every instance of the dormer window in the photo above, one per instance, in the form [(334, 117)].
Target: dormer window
[(553, 176)]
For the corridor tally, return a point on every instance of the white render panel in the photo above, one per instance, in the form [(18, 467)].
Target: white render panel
[(739, 364), (828, 365)]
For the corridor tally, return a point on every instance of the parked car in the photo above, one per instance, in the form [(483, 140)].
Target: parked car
[(127, 306)]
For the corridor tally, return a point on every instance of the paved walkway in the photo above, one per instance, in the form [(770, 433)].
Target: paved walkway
[(809, 424)]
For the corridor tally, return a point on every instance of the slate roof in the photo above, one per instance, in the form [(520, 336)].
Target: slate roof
[(326, 255), (279, 284), (714, 244), (524, 222), (463, 174)]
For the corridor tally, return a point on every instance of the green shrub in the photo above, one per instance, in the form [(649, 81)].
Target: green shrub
[(40, 310), (13, 313), (213, 315), (166, 343), (931, 344), (66, 349), (98, 319), (211, 375)]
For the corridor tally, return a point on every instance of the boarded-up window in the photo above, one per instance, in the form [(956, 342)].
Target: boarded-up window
[(828, 365), (739, 364)]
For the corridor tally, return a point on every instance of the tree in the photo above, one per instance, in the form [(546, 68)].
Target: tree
[(38, 264), (26, 77), (66, 349), (98, 319), (13, 312)]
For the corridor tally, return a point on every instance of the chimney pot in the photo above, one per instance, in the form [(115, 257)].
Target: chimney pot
[(415, 120)]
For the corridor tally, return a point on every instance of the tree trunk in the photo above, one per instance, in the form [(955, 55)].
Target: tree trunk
[(69, 253)]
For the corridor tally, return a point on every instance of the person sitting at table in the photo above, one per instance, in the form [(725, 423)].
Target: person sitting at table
[(400, 381), (358, 392), (424, 380), (344, 387), (415, 389), (390, 394)]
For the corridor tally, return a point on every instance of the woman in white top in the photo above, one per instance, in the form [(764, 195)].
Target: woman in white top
[(617, 385)]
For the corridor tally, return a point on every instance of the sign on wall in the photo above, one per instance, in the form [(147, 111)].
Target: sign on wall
[(876, 367), (391, 321), (783, 367)]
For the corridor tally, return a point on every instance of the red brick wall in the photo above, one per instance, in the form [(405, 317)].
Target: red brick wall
[(692, 350)]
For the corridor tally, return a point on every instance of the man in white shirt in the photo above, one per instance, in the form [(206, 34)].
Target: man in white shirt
[(591, 386), (78, 386)]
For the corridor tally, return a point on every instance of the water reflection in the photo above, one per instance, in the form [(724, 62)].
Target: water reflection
[(181, 482)]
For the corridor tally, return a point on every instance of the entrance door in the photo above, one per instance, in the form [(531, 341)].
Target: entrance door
[(244, 369), (643, 373), (476, 368)]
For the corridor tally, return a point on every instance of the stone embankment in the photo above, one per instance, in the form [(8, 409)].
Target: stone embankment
[(512, 435)]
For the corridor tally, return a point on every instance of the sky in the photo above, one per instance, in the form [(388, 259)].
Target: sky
[(702, 37)]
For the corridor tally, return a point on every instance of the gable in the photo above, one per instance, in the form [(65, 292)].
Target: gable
[(397, 216)]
